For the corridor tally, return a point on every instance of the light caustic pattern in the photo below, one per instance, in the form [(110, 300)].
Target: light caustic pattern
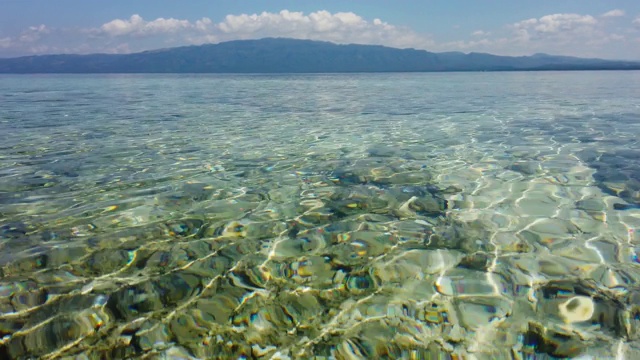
[(475, 216)]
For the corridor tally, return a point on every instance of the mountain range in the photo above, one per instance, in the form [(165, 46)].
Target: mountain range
[(281, 55)]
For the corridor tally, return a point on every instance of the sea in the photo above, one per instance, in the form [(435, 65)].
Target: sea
[(479, 215)]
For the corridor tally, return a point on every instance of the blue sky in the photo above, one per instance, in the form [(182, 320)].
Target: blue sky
[(606, 29)]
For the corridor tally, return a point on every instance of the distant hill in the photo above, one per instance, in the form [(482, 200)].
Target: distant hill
[(278, 55)]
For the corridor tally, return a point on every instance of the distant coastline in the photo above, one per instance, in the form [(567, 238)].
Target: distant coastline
[(281, 55)]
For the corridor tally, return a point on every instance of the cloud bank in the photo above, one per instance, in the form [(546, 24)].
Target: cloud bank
[(613, 13), (340, 27), (563, 33), (137, 26)]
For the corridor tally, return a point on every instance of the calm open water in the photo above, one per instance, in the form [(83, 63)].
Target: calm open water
[(415, 216)]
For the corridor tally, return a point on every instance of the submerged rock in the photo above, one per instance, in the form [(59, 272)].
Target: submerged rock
[(617, 173), (525, 167), (384, 151), (576, 309), (552, 341)]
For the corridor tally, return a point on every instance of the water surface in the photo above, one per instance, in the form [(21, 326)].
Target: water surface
[(461, 215)]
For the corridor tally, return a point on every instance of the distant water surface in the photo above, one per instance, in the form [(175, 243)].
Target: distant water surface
[(347, 216)]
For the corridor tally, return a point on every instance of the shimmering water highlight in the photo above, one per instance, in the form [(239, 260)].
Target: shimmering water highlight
[(415, 216)]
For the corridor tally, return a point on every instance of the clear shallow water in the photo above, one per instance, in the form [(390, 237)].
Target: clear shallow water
[(472, 215)]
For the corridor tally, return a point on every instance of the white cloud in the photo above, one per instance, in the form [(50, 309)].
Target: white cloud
[(556, 23), (555, 31), (472, 45), (5, 42), (613, 13), (480, 33), (568, 34), (33, 33), (341, 27), (136, 25), (26, 39), (204, 24), (562, 34), (616, 37)]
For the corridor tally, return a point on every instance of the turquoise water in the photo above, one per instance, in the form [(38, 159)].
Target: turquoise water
[(417, 216)]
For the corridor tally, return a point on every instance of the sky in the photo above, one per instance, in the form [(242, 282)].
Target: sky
[(586, 28)]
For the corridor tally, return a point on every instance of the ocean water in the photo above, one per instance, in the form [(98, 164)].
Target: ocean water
[(347, 216)]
